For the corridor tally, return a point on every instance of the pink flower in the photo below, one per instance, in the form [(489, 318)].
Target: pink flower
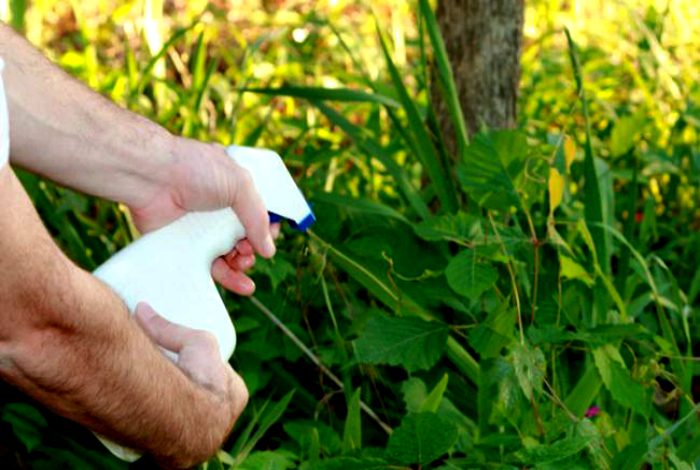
[(592, 411)]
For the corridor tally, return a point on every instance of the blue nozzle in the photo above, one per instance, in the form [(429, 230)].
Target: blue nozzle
[(302, 225)]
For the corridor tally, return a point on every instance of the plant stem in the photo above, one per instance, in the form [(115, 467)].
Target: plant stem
[(512, 279), (315, 359)]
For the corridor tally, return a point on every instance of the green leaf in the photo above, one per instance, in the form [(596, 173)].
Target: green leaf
[(530, 367), (617, 379), (433, 400), (445, 75), (352, 434), (559, 450), (306, 432), (570, 269), (468, 277), (353, 205), (353, 463), (495, 333), (402, 341), (277, 269), (326, 94), (458, 227), (593, 198), (268, 460), (264, 420), (624, 134), (414, 394), (27, 423), (376, 150), (459, 356), (491, 169), (421, 439)]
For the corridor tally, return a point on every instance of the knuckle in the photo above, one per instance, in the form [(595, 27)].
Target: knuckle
[(240, 396), (205, 338), (245, 178)]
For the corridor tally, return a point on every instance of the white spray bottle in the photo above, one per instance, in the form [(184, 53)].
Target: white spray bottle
[(170, 268)]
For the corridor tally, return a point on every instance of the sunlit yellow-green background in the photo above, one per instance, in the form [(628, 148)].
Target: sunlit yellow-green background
[(642, 60)]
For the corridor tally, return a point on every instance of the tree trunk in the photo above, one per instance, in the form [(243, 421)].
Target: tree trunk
[(483, 40)]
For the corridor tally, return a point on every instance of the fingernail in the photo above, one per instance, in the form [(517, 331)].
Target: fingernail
[(269, 246)]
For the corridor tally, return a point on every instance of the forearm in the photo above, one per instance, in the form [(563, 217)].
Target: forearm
[(68, 341), (65, 131)]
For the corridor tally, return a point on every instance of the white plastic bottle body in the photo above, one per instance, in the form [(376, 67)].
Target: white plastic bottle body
[(170, 269)]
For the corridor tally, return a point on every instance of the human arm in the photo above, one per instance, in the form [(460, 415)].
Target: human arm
[(68, 133), (68, 341)]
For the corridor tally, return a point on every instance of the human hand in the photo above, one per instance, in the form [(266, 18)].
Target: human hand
[(199, 359), (200, 176)]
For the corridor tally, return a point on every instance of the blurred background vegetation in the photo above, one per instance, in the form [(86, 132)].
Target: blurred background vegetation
[(546, 319)]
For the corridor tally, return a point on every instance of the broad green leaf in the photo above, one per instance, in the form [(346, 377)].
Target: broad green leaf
[(530, 368), (354, 463), (597, 452), (277, 269), (559, 450), (458, 227), (414, 394), (617, 379), (468, 277), (268, 460), (352, 433), (495, 333), (491, 169), (624, 134), (27, 423), (303, 432), (433, 400), (570, 269), (421, 439), (411, 343), (459, 356)]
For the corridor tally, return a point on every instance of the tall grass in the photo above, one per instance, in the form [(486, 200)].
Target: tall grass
[(529, 302)]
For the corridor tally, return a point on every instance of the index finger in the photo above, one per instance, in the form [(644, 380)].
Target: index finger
[(251, 211)]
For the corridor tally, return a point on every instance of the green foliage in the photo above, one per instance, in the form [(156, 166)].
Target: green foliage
[(492, 170), (412, 343), (447, 311), (421, 438), (469, 277)]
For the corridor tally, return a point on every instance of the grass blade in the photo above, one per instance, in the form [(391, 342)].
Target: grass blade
[(265, 420), (375, 149), (592, 191), (444, 68), (326, 94), (426, 152)]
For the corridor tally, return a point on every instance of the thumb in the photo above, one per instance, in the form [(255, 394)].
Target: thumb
[(165, 333)]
